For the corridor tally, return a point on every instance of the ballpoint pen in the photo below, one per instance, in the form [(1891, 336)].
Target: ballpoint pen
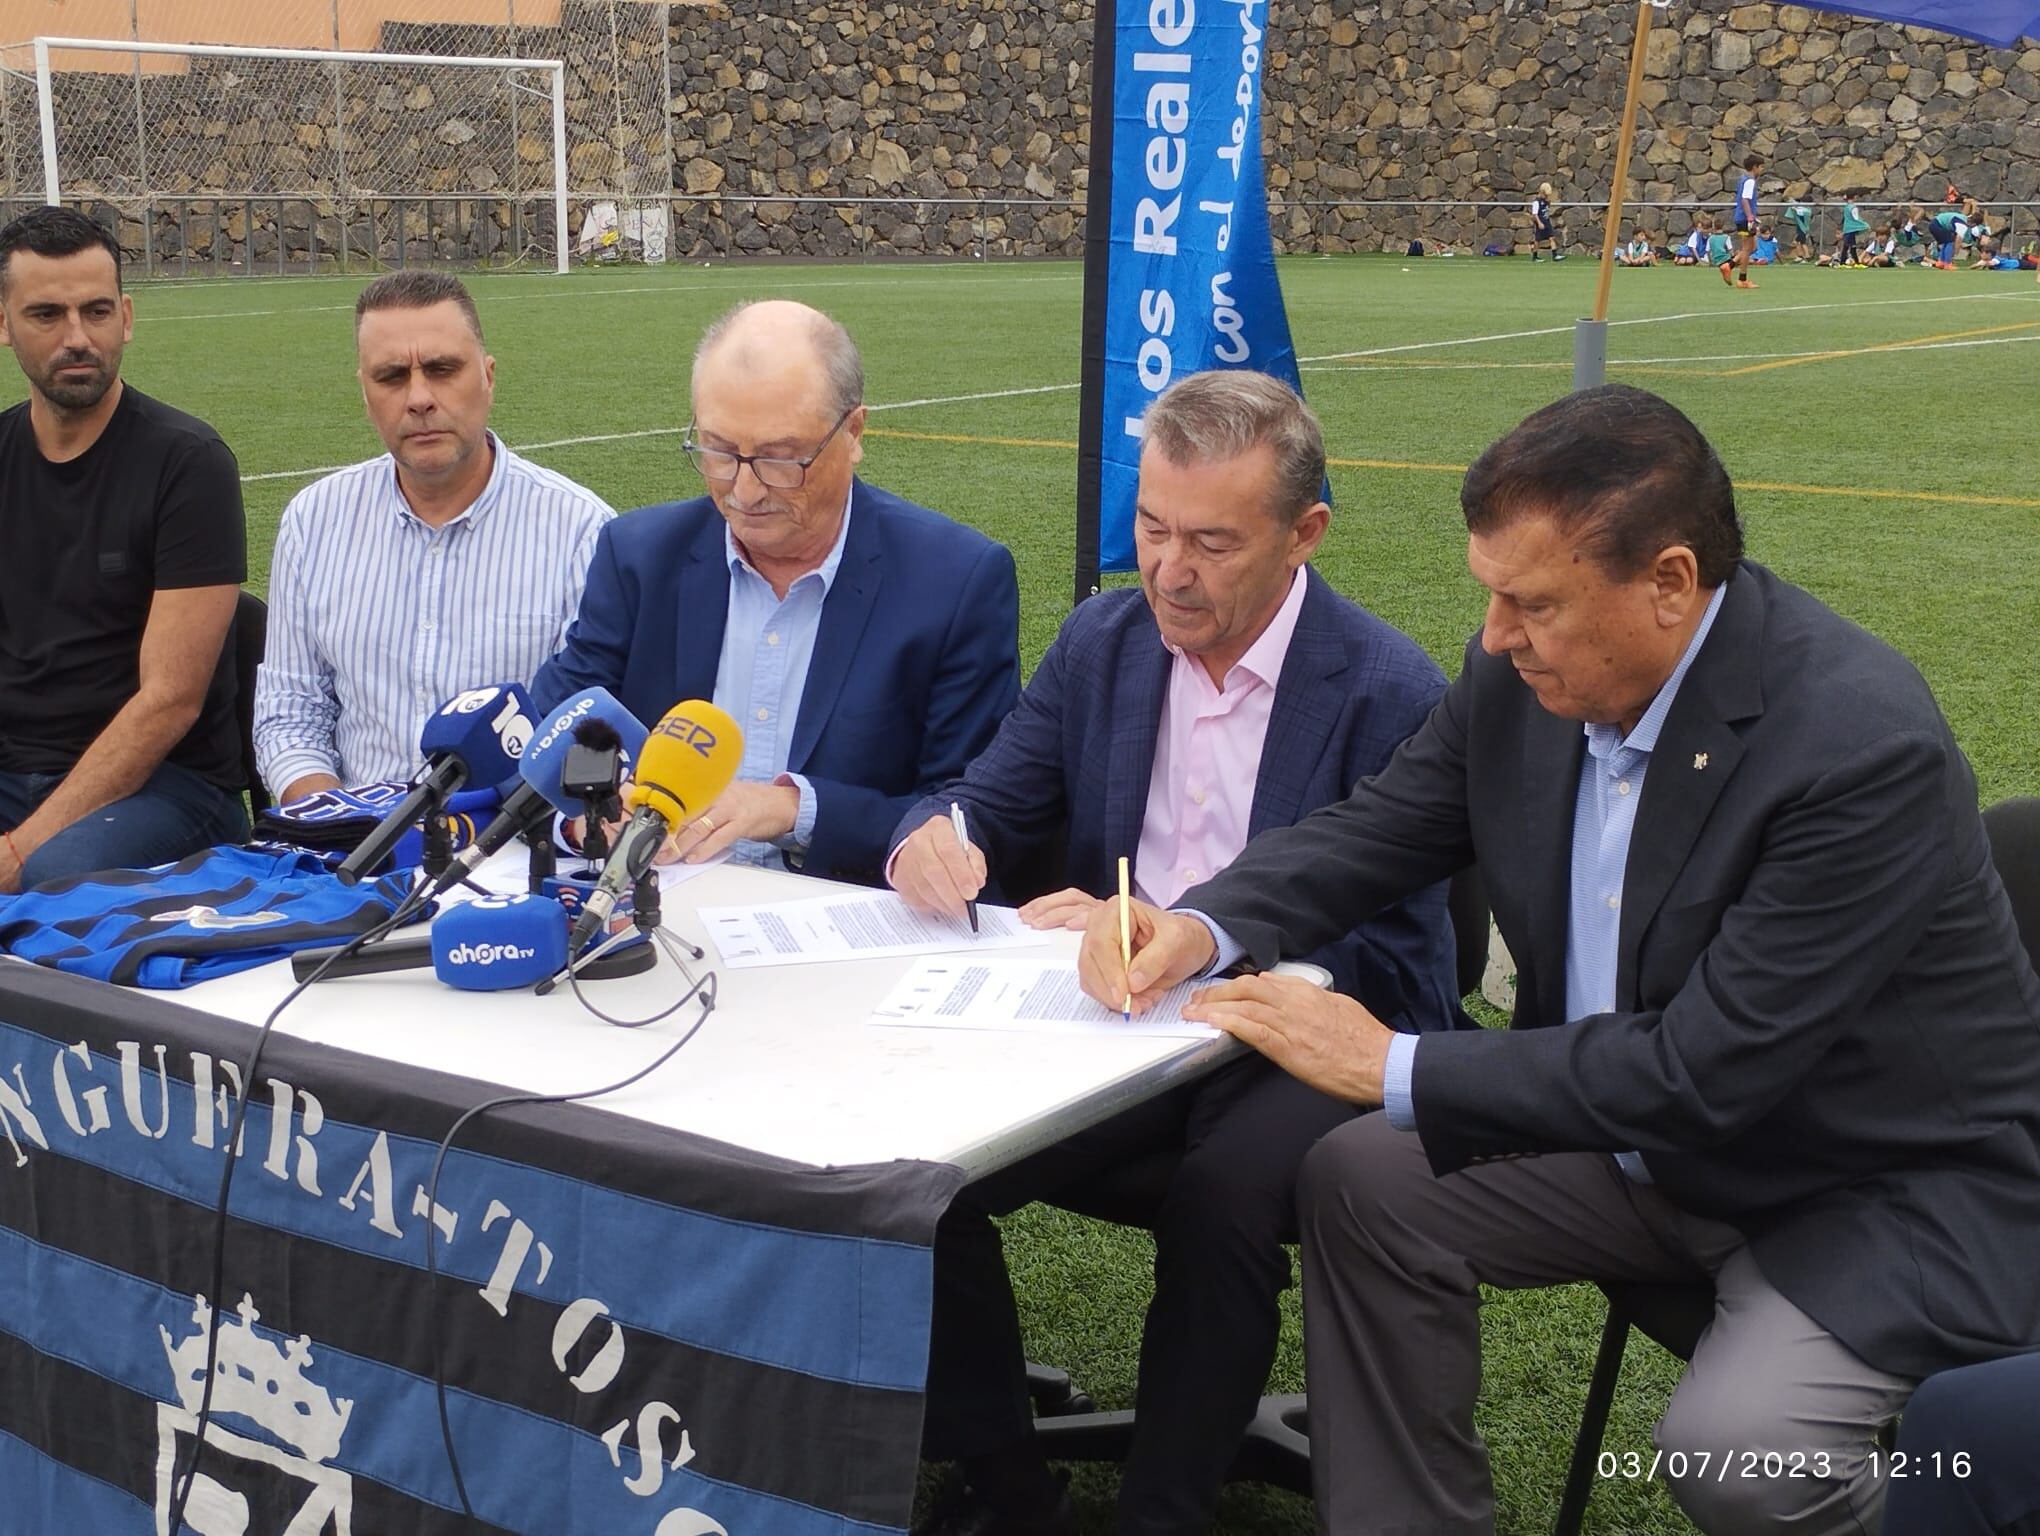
[(1126, 932), (963, 837)]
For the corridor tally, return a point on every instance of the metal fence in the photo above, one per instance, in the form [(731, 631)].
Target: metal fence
[(194, 152), (258, 234)]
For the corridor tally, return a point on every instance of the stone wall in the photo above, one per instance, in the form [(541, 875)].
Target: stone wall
[(1402, 100), (919, 103), (918, 127)]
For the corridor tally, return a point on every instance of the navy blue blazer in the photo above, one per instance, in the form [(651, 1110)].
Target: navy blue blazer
[(1080, 749), (916, 662)]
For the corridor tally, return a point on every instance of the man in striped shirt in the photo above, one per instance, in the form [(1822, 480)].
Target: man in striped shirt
[(446, 563)]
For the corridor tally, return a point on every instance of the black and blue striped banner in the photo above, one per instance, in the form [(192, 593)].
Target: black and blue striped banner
[(646, 1334)]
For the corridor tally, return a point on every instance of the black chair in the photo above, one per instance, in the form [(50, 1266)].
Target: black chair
[(1674, 1315), (245, 642), (1276, 1449)]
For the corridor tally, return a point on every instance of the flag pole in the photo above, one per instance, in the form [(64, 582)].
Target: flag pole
[(1590, 336), (1097, 273)]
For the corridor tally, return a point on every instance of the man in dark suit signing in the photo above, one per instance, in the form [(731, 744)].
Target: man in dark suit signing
[(868, 647), (1774, 1026), (1232, 690)]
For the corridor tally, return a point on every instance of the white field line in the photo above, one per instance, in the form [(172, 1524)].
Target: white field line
[(1644, 362), (620, 437), (244, 282), (1691, 314), (1047, 389), (489, 300)]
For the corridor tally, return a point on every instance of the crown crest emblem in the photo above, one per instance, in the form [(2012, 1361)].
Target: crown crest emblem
[(257, 1381)]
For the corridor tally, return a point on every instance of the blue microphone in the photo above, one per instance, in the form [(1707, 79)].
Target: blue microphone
[(542, 766), (476, 738), (499, 942), (538, 790)]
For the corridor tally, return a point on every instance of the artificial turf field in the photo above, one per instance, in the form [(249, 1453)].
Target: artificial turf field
[(1880, 427)]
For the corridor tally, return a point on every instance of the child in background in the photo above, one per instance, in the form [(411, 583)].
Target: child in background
[(1990, 257), (1882, 251), (1693, 249), (1853, 228), (1946, 230), (1543, 233), (1766, 252), (1799, 217), (1639, 252), (1720, 248), (1735, 271), (1979, 226)]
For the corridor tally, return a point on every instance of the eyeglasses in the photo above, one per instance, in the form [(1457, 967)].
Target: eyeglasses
[(721, 465)]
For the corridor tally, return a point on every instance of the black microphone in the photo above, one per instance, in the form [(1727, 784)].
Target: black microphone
[(523, 810), (580, 750), (475, 738), (688, 759), (375, 960)]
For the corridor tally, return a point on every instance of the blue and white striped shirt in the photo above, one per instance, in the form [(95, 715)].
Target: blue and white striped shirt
[(376, 618)]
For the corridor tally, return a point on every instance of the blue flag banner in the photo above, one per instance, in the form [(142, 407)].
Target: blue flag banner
[(1179, 275), (2000, 23)]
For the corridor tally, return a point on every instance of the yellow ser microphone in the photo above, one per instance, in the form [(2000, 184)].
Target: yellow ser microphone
[(688, 759)]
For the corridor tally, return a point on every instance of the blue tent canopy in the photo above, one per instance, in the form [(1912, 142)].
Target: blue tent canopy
[(2001, 23)]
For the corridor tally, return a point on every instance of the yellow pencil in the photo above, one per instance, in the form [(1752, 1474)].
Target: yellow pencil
[(1126, 931)]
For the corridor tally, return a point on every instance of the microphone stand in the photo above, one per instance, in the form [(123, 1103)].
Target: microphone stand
[(543, 861), (647, 923), (437, 851)]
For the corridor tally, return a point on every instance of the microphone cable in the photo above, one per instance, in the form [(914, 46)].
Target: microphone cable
[(182, 1482), (704, 990)]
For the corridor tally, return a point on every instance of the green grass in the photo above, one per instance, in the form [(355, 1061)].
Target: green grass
[(599, 355)]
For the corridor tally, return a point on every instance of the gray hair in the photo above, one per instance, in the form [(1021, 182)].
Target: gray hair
[(1212, 417), (842, 367)]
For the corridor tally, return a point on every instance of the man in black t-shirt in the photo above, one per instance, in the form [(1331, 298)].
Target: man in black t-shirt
[(120, 520)]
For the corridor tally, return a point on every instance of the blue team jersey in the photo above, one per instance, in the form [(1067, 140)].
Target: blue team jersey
[(1746, 200), (224, 910)]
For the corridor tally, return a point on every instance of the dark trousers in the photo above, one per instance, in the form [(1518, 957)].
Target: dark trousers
[(1988, 1416), (1220, 1266), (174, 814)]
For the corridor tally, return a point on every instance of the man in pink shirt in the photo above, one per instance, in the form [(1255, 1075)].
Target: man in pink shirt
[(1232, 691)]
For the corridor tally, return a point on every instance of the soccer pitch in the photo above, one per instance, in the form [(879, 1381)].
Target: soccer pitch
[(1878, 425)]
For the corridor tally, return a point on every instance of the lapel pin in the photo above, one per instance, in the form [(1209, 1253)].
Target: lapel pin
[(1699, 759)]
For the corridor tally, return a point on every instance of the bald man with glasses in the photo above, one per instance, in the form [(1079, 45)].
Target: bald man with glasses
[(869, 647)]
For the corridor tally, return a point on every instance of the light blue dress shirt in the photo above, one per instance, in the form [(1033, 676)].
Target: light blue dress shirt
[(1604, 816), (768, 644)]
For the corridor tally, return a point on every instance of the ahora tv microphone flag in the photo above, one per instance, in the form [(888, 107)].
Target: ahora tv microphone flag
[(1179, 275)]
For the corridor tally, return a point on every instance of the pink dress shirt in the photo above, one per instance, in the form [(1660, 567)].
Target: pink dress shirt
[(1207, 759)]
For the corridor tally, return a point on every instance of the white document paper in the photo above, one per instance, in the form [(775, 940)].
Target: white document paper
[(671, 875), (866, 925), (1036, 996)]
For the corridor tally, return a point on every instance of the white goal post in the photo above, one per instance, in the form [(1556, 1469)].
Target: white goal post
[(347, 189)]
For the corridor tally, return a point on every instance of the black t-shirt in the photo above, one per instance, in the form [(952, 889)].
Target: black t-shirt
[(154, 504)]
